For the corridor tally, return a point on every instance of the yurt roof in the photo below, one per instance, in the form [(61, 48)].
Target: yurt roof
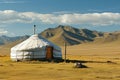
[(34, 42)]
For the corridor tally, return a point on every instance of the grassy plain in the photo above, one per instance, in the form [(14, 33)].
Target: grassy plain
[(103, 62)]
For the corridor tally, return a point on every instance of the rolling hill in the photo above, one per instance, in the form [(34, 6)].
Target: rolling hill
[(5, 48), (108, 38), (70, 35), (5, 39)]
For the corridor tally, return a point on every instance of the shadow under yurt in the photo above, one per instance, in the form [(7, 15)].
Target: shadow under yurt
[(35, 48)]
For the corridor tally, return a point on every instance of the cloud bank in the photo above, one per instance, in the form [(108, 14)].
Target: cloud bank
[(98, 19), (3, 32)]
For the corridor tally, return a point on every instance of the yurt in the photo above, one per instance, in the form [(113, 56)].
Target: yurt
[(35, 48)]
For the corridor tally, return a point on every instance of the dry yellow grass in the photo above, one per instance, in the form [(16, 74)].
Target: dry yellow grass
[(96, 58), (92, 49), (57, 71)]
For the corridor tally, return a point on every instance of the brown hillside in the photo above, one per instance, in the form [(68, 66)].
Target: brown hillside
[(5, 49), (108, 38), (70, 35)]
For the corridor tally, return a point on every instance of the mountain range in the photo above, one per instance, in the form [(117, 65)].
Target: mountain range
[(70, 35), (74, 36), (5, 39)]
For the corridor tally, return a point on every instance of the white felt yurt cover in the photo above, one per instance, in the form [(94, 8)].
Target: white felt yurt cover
[(34, 48)]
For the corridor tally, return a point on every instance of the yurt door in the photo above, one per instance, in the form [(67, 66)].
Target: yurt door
[(49, 52)]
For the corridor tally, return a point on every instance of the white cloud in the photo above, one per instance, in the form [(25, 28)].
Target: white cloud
[(10, 16), (63, 12), (3, 32), (106, 18)]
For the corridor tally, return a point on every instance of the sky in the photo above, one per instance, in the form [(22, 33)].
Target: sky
[(17, 17)]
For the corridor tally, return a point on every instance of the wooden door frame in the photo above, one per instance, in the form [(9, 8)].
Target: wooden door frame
[(51, 53)]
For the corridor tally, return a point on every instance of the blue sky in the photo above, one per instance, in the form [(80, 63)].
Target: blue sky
[(17, 17)]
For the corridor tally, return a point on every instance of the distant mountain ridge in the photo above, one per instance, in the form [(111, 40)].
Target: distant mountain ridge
[(108, 37), (5, 39), (70, 35)]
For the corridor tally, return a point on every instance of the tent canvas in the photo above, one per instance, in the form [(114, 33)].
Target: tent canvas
[(34, 48)]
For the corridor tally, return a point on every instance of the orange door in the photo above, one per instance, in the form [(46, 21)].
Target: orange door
[(49, 52)]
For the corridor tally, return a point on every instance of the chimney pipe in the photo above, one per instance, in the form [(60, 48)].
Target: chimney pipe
[(34, 30)]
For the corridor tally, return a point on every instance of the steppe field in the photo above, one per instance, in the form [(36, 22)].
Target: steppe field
[(102, 60)]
